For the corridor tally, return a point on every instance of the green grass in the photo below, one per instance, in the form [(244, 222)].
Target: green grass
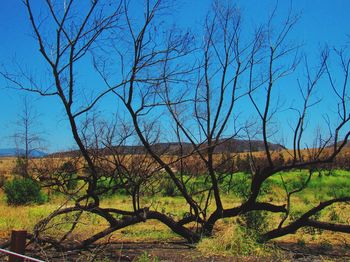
[(236, 241), (225, 241)]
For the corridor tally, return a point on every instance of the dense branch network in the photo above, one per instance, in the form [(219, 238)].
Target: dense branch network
[(193, 92)]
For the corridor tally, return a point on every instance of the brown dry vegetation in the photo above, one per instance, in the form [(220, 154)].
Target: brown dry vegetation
[(49, 165)]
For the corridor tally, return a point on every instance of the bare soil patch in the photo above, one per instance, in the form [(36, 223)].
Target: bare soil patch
[(179, 251)]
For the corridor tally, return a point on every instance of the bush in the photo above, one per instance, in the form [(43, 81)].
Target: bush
[(241, 185), (108, 186), (168, 187), (68, 174), (255, 221), (21, 191)]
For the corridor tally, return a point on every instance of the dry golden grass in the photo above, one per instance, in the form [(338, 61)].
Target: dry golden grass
[(6, 166), (50, 164)]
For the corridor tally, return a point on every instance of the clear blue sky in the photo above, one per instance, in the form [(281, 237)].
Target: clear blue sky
[(322, 21)]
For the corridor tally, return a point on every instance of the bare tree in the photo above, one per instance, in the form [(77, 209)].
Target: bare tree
[(27, 137), (170, 87)]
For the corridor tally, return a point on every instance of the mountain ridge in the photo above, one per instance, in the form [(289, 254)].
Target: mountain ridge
[(12, 152), (173, 148)]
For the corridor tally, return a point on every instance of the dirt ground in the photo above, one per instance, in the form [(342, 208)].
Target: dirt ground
[(179, 251)]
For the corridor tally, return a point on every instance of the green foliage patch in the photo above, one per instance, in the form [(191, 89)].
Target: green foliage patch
[(22, 191)]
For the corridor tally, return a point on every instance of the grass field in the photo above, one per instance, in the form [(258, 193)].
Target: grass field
[(227, 239)]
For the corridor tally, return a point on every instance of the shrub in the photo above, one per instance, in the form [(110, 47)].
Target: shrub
[(255, 221), (108, 186), (240, 185), (68, 174), (21, 191), (168, 187), (72, 182)]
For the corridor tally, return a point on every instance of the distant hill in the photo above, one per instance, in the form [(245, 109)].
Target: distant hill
[(239, 146), (339, 143), (11, 152), (172, 148)]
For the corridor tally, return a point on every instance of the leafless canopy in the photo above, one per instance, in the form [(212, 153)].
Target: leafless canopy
[(198, 91)]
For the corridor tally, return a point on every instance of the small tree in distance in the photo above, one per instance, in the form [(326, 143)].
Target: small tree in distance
[(27, 137)]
